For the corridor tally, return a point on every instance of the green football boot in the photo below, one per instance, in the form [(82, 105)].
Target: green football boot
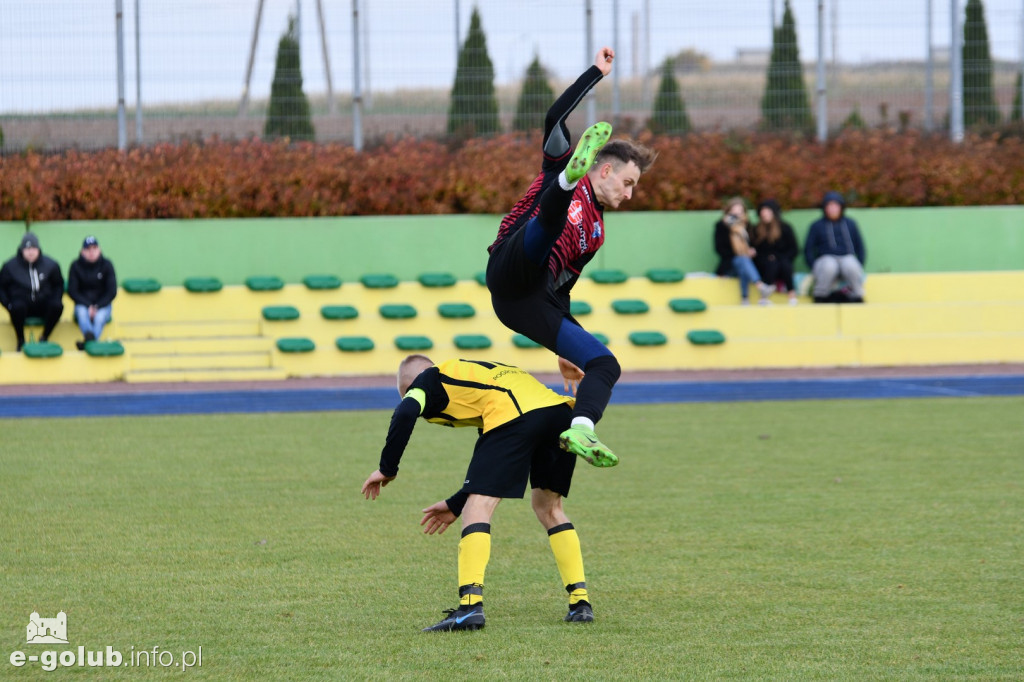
[(591, 142), (582, 441)]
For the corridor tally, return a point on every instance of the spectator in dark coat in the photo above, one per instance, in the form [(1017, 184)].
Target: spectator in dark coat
[(92, 285), (31, 285), (776, 246), (835, 251)]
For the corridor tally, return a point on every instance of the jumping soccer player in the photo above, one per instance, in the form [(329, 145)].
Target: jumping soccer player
[(546, 240), (520, 420)]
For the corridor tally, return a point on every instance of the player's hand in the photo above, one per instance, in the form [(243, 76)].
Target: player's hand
[(372, 486), (436, 518), (604, 59), (571, 374)]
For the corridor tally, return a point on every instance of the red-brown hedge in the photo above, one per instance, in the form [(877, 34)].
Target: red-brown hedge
[(254, 178)]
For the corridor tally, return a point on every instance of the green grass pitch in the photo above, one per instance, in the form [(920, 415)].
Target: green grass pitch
[(822, 540)]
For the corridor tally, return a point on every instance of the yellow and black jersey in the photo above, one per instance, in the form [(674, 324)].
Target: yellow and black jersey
[(485, 395), (480, 394)]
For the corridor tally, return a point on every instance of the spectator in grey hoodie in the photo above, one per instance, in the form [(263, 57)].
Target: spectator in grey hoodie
[(835, 251)]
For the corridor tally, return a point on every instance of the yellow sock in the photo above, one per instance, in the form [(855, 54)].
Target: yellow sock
[(565, 544), (474, 553)]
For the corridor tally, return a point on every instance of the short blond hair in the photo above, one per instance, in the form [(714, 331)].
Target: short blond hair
[(410, 368)]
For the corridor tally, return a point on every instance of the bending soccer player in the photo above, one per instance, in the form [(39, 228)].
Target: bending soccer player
[(546, 240), (520, 420)]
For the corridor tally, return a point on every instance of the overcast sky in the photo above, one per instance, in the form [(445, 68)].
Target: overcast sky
[(61, 54)]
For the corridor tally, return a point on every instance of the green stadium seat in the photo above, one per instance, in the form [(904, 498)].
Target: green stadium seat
[(437, 279), (142, 285), (578, 308), (103, 349), (472, 342), (379, 281), (609, 276), (520, 341), (42, 349), (455, 310), (665, 275), (630, 306), (277, 313), (354, 344), (687, 305), (705, 337), (481, 278), (35, 322), (600, 337), (413, 343), (339, 312), (318, 282), (295, 344), (397, 311), (203, 285), (648, 339), (264, 283)]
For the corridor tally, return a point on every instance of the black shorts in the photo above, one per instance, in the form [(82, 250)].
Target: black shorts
[(521, 293), (524, 449)]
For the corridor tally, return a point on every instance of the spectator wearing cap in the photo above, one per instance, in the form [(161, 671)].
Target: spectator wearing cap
[(92, 285), (776, 245), (31, 285), (835, 252)]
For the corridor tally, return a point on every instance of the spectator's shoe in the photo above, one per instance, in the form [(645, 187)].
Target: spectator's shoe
[(582, 441), (593, 138), (80, 345), (580, 612), (462, 618), (766, 290)]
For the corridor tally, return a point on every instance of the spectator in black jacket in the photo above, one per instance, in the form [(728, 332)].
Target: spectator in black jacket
[(835, 251), (92, 285), (776, 247), (31, 285)]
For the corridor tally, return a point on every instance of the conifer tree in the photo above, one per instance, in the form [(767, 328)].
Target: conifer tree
[(288, 114), (474, 107), (784, 105), (1016, 113), (534, 100), (669, 115), (979, 98)]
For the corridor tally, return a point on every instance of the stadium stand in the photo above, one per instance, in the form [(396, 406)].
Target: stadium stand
[(170, 333)]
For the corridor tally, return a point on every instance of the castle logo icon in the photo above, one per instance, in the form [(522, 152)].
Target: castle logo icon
[(47, 630)]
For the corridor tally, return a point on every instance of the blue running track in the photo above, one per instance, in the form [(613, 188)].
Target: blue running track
[(324, 399)]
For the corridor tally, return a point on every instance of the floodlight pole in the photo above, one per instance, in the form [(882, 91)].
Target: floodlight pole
[(332, 108), (243, 106), (588, 17), (122, 136), (616, 100), (929, 73), (357, 96), (138, 78), (822, 93), (956, 76)]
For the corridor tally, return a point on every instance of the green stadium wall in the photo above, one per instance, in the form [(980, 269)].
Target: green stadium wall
[(898, 240)]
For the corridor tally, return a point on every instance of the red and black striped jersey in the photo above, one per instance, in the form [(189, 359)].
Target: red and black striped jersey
[(583, 234)]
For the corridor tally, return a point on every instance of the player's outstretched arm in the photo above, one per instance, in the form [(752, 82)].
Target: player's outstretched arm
[(372, 485), (603, 60), (437, 517)]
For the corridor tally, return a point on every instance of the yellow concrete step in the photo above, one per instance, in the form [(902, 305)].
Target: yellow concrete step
[(177, 375), (183, 330), (217, 344), (196, 361)]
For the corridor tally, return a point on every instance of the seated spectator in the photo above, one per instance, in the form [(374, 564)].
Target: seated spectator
[(835, 252), (31, 285), (776, 246), (734, 220), (92, 285), (722, 241)]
